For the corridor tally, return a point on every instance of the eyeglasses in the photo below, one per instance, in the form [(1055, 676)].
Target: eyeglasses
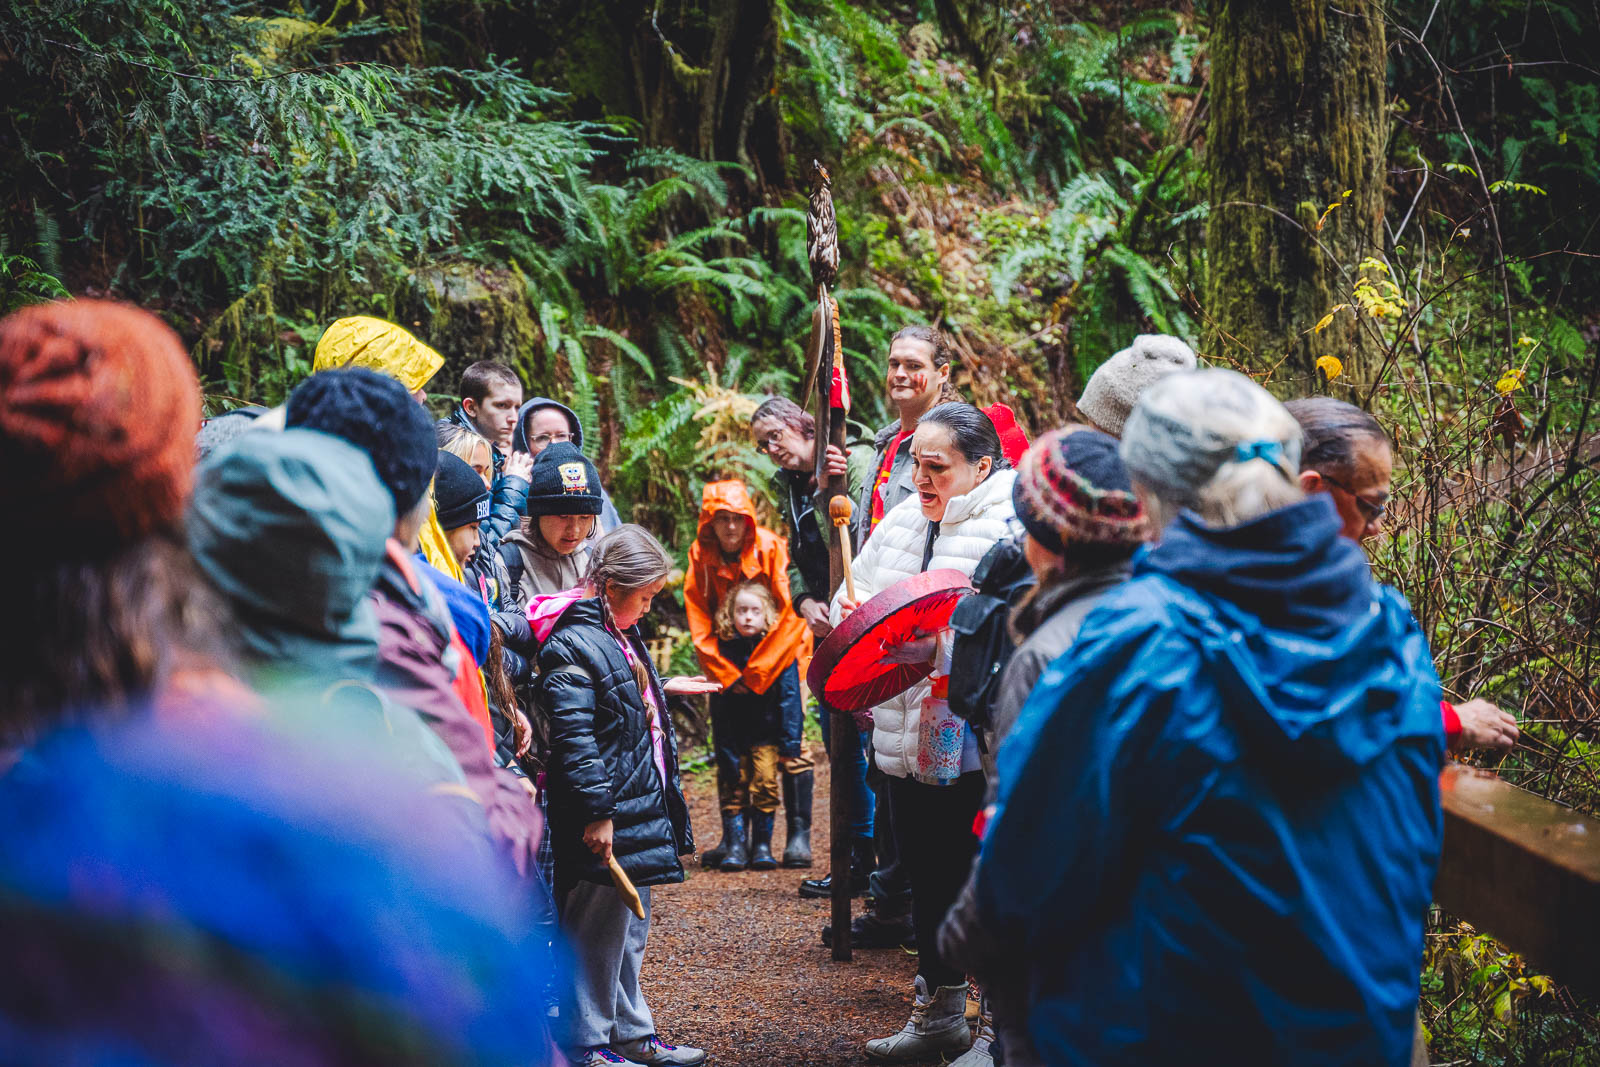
[(770, 441), (1369, 511), (545, 440)]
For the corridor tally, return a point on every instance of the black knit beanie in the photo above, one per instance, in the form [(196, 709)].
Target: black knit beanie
[(459, 495), (563, 482), (375, 413)]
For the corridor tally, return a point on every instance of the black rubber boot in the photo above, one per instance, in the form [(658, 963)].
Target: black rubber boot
[(737, 855), (761, 858), (797, 806), (712, 857)]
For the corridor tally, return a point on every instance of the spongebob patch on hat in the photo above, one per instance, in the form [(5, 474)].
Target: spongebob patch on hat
[(573, 478)]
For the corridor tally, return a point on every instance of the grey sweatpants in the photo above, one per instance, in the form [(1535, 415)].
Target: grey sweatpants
[(607, 942)]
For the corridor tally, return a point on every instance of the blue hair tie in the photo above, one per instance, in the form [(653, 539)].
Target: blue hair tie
[(1271, 451)]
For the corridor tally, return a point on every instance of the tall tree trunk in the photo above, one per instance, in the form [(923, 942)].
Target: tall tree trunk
[(714, 100), (1297, 118), (404, 18)]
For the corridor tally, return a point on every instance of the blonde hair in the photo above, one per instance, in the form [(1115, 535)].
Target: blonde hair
[(724, 616), (1215, 442), (462, 442)]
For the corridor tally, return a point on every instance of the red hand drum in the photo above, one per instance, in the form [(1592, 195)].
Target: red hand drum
[(850, 671)]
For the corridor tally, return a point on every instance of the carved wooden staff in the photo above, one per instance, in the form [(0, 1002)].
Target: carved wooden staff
[(830, 391)]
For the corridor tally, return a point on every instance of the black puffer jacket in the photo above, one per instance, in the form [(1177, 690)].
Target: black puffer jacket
[(601, 761)]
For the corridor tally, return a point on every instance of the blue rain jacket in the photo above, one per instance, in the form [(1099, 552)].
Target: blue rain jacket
[(1219, 820)]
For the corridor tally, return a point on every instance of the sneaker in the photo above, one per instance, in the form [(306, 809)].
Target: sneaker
[(654, 1052), (599, 1056)]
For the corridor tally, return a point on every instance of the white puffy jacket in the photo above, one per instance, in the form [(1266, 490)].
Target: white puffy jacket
[(971, 526)]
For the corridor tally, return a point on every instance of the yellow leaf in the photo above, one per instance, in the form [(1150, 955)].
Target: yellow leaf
[(1526, 340), (1509, 382), (1330, 366), (1322, 323), (1346, 193)]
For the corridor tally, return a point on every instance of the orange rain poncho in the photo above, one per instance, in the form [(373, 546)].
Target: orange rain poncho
[(765, 558)]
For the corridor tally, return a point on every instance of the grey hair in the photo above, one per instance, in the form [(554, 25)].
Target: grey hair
[(1216, 443), (786, 411), (628, 558)]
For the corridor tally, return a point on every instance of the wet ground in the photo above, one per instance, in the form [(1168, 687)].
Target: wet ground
[(736, 963)]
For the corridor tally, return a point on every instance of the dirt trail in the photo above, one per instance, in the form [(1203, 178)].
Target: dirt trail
[(736, 963)]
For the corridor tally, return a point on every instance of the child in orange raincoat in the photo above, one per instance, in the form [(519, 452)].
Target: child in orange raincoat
[(731, 548)]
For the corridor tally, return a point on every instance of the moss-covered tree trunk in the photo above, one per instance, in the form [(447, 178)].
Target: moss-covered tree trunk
[(1297, 118)]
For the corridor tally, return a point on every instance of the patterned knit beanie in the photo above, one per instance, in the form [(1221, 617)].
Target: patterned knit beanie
[(563, 482), (1072, 489), (1115, 386), (99, 406)]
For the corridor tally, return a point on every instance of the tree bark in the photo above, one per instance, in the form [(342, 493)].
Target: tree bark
[(1297, 118)]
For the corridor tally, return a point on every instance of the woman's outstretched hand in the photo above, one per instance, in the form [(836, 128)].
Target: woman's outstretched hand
[(681, 686)]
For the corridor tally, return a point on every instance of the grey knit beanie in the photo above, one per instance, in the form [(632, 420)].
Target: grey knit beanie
[(1115, 386)]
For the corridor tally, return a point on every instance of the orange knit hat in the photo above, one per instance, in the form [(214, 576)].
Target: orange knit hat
[(99, 406)]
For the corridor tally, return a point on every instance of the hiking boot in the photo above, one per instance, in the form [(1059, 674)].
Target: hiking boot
[(869, 931), (938, 1024), (737, 855), (979, 1055), (599, 1056), (797, 812), (761, 858), (712, 857), (654, 1052)]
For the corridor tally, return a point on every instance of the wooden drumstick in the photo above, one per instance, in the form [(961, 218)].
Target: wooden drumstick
[(839, 509), (630, 895)]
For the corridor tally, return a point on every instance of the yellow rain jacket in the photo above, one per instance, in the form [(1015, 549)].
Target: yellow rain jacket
[(362, 341)]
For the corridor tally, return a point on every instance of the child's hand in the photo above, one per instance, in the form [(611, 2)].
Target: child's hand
[(838, 462), (688, 687), (597, 838), (846, 606), (518, 465), (521, 732)]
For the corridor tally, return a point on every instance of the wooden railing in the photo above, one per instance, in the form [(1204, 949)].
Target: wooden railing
[(1525, 870)]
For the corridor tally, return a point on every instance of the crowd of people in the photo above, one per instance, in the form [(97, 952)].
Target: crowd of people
[(331, 733)]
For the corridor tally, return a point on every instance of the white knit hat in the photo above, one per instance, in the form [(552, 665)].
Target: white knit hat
[(1115, 386)]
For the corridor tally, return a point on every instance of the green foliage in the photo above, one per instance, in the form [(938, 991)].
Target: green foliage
[(22, 282)]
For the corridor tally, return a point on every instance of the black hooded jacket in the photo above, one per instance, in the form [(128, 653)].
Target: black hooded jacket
[(602, 764)]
